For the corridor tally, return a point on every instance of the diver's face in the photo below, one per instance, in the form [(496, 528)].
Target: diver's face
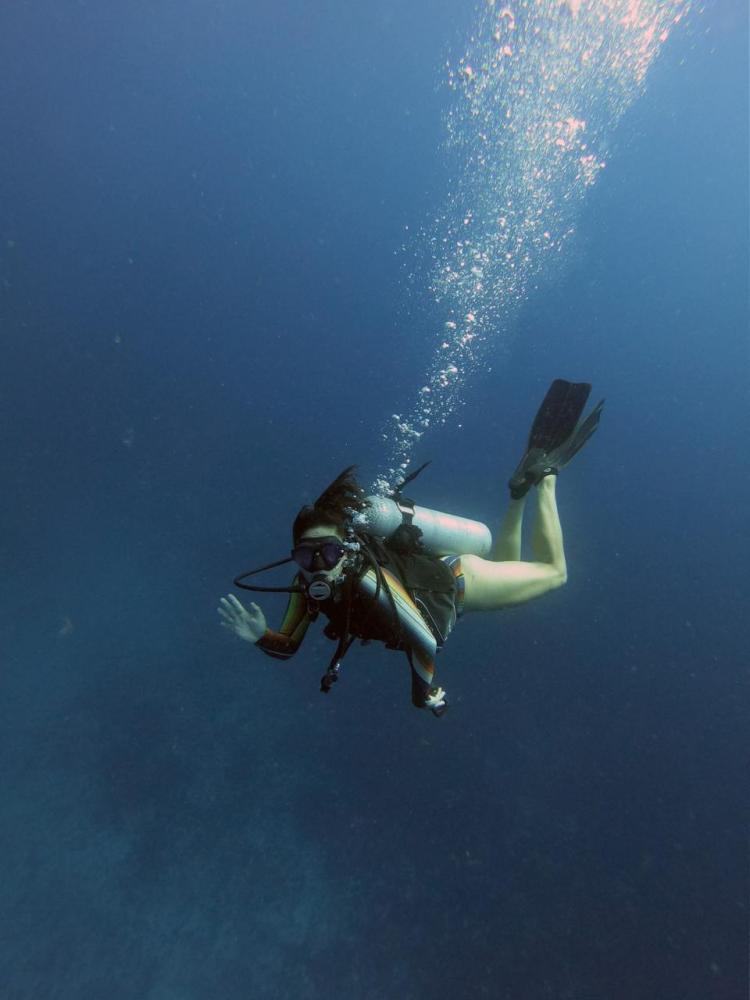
[(320, 552)]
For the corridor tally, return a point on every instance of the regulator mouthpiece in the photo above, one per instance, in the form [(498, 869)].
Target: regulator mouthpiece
[(319, 588)]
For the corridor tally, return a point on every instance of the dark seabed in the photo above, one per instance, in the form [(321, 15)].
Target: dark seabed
[(205, 315)]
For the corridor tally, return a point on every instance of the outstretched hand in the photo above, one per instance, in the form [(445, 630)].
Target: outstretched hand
[(436, 701), (248, 624)]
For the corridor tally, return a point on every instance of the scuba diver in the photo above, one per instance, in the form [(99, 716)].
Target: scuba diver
[(382, 568)]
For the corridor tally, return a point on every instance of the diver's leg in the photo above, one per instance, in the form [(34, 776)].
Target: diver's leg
[(547, 537), (508, 544), (492, 585)]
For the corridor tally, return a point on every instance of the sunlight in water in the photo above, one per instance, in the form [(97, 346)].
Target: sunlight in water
[(537, 94)]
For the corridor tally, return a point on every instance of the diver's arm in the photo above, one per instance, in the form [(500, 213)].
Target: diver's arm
[(285, 643), (251, 626), (424, 694)]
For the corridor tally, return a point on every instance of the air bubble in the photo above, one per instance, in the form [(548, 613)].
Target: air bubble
[(542, 86)]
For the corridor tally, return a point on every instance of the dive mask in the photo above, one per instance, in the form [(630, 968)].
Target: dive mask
[(318, 554)]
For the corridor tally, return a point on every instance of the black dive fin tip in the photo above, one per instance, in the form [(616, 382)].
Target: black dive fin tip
[(578, 439), (411, 476), (558, 415)]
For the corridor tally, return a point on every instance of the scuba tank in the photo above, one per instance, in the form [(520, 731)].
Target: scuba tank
[(442, 534)]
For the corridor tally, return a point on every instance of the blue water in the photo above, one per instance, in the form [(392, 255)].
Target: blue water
[(205, 315)]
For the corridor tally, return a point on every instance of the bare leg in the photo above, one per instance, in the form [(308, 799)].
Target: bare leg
[(547, 537), (508, 544), (492, 585)]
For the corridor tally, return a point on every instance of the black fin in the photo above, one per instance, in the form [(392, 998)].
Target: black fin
[(562, 455), (410, 477), (558, 415), (556, 434)]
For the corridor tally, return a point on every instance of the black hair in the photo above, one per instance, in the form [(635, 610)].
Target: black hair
[(336, 505)]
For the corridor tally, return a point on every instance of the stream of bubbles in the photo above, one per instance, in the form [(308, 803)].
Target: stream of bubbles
[(540, 89)]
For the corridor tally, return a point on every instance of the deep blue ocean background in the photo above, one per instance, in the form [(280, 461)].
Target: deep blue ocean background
[(203, 319)]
